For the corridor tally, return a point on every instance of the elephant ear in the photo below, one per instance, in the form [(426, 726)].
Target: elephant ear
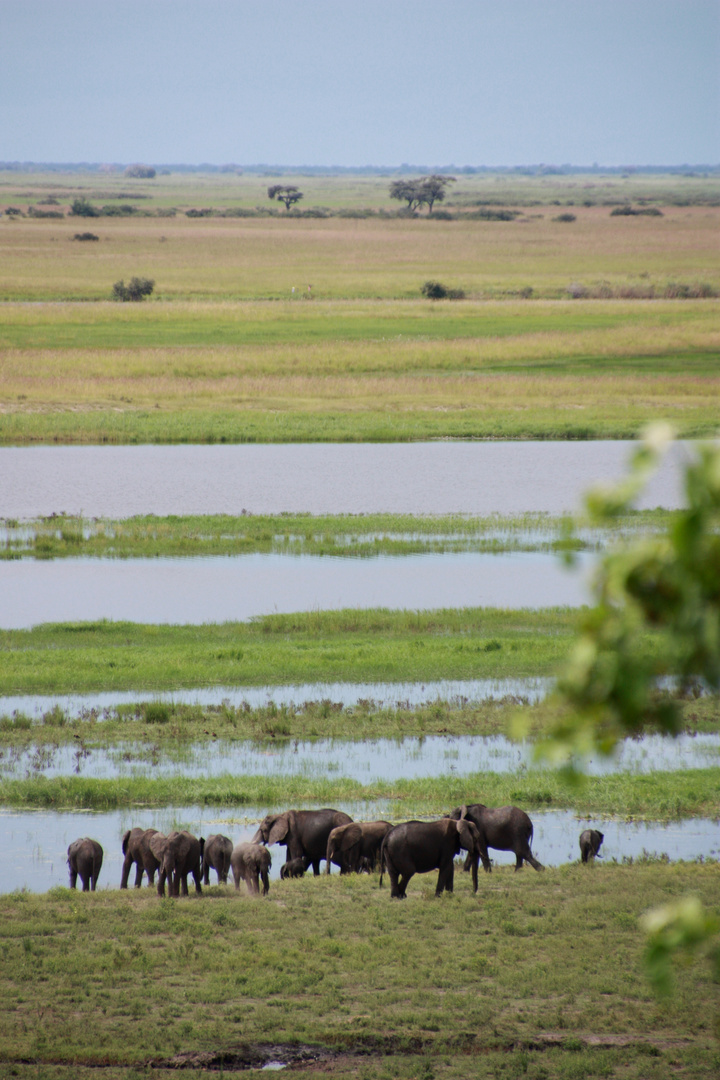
[(351, 836), (463, 813), (157, 844), (467, 834), (280, 829)]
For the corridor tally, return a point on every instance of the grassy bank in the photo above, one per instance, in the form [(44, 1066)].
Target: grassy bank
[(363, 535), (539, 975), (661, 796), (370, 646)]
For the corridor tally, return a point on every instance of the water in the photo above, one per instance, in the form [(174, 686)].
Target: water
[(367, 761), (35, 843), (226, 589), (382, 695), (414, 478)]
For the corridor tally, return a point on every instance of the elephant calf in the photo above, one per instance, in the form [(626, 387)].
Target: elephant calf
[(356, 845), (216, 856), (294, 868), (590, 841), (85, 858), (252, 863)]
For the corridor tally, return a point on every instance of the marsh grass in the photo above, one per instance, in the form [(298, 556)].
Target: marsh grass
[(515, 981), (362, 535), (661, 796), (370, 646)]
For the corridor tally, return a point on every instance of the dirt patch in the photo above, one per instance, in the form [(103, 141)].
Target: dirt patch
[(248, 1057)]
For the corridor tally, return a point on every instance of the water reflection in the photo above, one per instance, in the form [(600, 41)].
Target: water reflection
[(224, 589), (412, 478), (34, 843), (367, 761)]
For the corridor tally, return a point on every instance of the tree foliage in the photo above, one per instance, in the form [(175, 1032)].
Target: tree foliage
[(285, 193), (136, 289), (425, 191), (140, 172), (82, 208)]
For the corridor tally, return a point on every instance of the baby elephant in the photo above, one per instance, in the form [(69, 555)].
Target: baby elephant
[(590, 842), (85, 858), (294, 868), (251, 862), (216, 856)]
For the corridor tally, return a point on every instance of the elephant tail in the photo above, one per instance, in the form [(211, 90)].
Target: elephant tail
[(125, 840), (382, 859), (202, 856)]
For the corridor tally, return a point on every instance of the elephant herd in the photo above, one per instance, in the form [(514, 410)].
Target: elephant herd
[(309, 836)]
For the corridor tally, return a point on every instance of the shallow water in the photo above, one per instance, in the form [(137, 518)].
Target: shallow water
[(414, 478), (368, 760), (224, 589), (382, 695), (34, 843)]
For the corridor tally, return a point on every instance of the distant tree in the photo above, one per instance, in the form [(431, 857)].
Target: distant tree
[(285, 193), (82, 208), (425, 191), (136, 289), (140, 172)]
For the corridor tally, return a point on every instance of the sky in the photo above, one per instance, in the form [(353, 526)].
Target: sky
[(327, 82)]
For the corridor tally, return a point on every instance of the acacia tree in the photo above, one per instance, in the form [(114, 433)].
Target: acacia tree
[(425, 191), (285, 193)]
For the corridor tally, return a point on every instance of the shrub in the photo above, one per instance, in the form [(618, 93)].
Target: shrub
[(136, 289), (435, 290), (82, 208), (13, 211), (33, 211), (85, 236), (121, 210), (140, 172), (565, 217), (206, 212)]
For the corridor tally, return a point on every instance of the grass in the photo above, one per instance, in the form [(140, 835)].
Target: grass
[(540, 975), (364, 646), (362, 535), (661, 796)]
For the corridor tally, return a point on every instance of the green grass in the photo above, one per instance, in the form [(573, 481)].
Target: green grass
[(308, 647), (539, 975), (362, 535), (661, 796)]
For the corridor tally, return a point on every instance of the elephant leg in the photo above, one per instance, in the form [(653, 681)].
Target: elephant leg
[(402, 884), (138, 874), (73, 877), (161, 884), (206, 873), (316, 867), (127, 863), (197, 879), (528, 856), (445, 879), (265, 881), (236, 876)]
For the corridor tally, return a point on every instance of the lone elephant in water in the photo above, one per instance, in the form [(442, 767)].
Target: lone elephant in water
[(590, 841), (178, 854), (505, 828), (415, 847), (216, 856), (252, 863), (304, 833), (85, 858), (136, 849), (356, 845)]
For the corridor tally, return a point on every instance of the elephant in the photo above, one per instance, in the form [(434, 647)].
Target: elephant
[(252, 863), (216, 856), (415, 847), (294, 868), (85, 858), (136, 849), (505, 828), (355, 845), (304, 832), (178, 854), (590, 841)]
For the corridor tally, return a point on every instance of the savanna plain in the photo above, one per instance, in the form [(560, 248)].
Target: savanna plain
[(265, 326)]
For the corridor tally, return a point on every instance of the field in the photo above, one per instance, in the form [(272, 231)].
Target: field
[(295, 328), (267, 326)]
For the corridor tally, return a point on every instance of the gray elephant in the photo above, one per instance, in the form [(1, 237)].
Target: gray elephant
[(178, 854), (505, 828), (590, 841), (415, 847), (136, 849), (304, 833), (252, 863), (356, 845), (216, 856), (85, 858), (294, 868)]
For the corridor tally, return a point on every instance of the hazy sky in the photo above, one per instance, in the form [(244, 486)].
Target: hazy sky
[(327, 82)]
